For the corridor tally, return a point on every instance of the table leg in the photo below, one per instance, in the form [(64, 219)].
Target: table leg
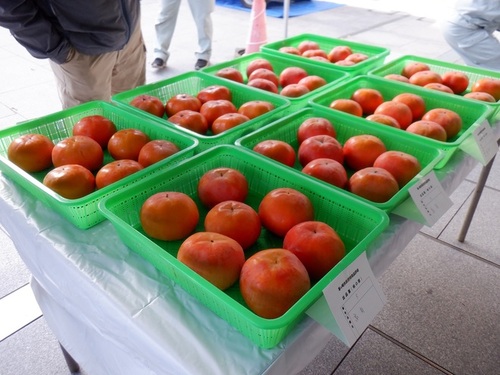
[(475, 199), (72, 364)]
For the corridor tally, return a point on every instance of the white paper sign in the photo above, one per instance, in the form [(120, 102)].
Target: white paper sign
[(354, 298), (430, 198), (486, 142)]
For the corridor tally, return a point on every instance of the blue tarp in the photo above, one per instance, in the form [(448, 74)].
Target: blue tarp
[(275, 9)]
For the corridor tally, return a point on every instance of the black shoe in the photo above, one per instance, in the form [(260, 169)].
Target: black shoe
[(200, 64), (159, 63)]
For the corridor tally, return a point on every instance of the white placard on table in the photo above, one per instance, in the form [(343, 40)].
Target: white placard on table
[(486, 142), (353, 299), (430, 198)]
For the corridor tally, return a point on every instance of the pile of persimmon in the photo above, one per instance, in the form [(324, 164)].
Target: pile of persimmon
[(341, 55), (76, 164), (210, 112), (405, 111), (292, 81), (485, 89), (362, 165), (270, 280)]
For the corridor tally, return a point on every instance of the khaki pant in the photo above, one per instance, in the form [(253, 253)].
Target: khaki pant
[(85, 78)]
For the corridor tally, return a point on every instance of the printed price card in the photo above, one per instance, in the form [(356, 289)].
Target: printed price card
[(486, 142), (430, 198), (354, 298)]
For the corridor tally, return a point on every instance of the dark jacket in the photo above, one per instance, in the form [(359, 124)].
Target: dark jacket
[(50, 28)]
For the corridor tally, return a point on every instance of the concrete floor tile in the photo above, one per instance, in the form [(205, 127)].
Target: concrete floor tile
[(374, 354), (483, 237), (14, 272), (28, 74), (414, 28), (34, 350), (17, 310), (27, 100), (10, 120), (421, 8), (450, 56), (328, 359), (4, 50), (18, 51), (418, 36), (430, 48), (443, 304), (344, 23), (385, 39), (5, 111)]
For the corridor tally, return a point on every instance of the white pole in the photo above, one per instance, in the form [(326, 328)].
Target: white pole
[(286, 12)]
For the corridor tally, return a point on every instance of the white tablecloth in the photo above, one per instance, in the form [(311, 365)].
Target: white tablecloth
[(116, 314)]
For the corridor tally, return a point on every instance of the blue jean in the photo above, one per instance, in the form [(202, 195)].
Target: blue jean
[(167, 18)]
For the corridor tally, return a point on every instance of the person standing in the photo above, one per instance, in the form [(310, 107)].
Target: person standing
[(201, 11), (470, 29), (95, 47)]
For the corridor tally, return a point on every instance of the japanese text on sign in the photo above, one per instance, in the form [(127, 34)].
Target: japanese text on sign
[(430, 198)]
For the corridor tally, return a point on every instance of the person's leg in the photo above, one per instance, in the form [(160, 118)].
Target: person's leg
[(87, 78), (476, 46), (84, 78), (165, 27), (130, 67), (202, 15)]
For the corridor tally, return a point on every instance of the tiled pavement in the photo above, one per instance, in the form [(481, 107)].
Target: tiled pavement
[(443, 296)]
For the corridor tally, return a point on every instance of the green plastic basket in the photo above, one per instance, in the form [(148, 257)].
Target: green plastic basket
[(83, 212), (191, 83), (357, 223), (376, 55), (347, 126), (474, 74), (279, 63), (473, 113)]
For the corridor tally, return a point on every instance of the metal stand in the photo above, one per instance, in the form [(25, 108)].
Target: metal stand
[(475, 198), (286, 15)]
